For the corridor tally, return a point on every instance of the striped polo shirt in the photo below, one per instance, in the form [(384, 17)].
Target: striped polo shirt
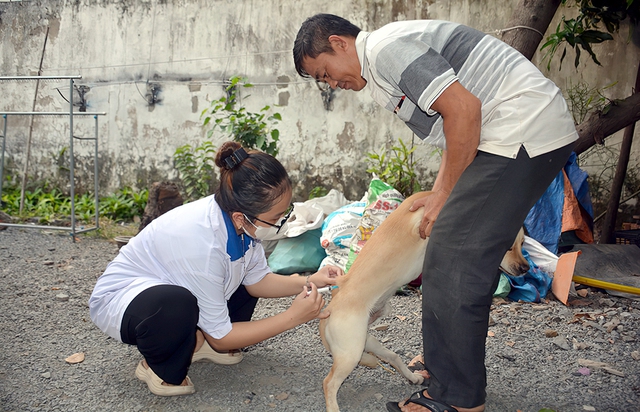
[(413, 62)]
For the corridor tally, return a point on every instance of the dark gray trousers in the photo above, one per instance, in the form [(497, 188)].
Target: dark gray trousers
[(475, 228)]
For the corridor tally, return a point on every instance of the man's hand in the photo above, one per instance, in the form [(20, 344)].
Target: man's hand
[(432, 205)]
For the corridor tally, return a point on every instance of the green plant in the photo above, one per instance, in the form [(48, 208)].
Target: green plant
[(122, 206), (252, 130), (583, 31), (195, 166), (138, 200), (396, 168), (602, 161), (583, 100), (49, 204), (318, 191)]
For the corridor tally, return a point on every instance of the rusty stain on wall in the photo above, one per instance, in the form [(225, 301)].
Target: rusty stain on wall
[(283, 98), (194, 104), (346, 139)]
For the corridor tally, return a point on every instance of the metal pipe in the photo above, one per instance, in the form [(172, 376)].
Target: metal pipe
[(54, 113), (95, 177), (45, 227), (39, 77), (71, 153), (4, 140), (71, 163)]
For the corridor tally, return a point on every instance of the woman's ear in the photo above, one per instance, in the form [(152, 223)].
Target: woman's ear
[(238, 220)]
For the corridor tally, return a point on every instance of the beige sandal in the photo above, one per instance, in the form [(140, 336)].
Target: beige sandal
[(206, 353), (155, 383)]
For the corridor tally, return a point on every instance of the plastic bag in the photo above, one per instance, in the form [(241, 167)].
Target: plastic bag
[(504, 287), (381, 201), (540, 255), (333, 201), (337, 230), (305, 216), (298, 254), (536, 283), (310, 214)]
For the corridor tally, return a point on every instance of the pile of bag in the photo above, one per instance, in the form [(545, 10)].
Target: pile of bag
[(331, 230)]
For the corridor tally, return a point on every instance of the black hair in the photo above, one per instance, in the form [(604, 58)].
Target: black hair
[(251, 181), (313, 37)]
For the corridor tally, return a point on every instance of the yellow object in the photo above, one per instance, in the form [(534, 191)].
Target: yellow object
[(606, 285)]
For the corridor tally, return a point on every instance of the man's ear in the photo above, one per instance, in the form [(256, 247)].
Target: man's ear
[(338, 42)]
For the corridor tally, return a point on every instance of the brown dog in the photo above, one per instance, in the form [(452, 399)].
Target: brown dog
[(391, 258)]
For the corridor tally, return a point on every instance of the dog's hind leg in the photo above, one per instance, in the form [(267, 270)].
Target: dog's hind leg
[(368, 360), (374, 346)]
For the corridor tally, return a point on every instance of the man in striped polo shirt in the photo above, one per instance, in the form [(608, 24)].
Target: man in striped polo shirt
[(505, 132)]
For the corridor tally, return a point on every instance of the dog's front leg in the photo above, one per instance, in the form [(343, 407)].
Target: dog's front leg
[(374, 346), (345, 339)]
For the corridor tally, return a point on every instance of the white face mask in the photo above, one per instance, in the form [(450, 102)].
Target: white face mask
[(264, 232)]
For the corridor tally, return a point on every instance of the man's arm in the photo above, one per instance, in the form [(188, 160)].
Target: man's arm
[(461, 113)]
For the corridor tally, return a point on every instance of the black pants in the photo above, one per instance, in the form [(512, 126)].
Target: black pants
[(162, 321), (476, 226)]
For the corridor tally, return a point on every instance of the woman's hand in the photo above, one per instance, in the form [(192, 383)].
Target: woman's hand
[(327, 275), (308, 305)]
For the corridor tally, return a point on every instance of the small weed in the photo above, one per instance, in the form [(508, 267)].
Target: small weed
[(318, 191), (196, 169), (253, 130), (396, 168)]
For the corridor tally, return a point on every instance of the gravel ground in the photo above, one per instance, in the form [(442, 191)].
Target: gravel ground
[(44, 319)]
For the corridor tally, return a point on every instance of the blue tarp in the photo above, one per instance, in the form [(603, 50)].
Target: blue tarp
[(544, 222), (532, 286)]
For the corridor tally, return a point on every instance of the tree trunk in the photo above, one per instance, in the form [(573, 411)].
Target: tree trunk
[(163, 196), (528, 15), (537, 14), (616, 187)]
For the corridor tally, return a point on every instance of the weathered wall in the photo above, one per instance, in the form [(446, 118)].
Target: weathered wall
[(183, 50)]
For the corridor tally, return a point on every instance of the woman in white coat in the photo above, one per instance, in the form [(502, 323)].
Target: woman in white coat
[(184, 289)]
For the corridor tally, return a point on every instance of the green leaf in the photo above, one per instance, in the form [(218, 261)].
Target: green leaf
[(260, 142)]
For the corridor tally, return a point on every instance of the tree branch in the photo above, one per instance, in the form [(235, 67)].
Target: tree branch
[(599, 126)]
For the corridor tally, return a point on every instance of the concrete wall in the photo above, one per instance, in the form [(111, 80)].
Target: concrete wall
[(153, 66)]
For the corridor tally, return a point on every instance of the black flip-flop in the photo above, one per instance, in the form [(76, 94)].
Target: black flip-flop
[(419, 399), (417, 366)]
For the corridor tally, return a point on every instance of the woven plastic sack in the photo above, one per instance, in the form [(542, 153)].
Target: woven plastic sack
[(337, 230), (381, 201)]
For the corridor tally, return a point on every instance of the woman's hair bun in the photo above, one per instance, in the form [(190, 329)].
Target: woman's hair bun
[(225, 152)]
